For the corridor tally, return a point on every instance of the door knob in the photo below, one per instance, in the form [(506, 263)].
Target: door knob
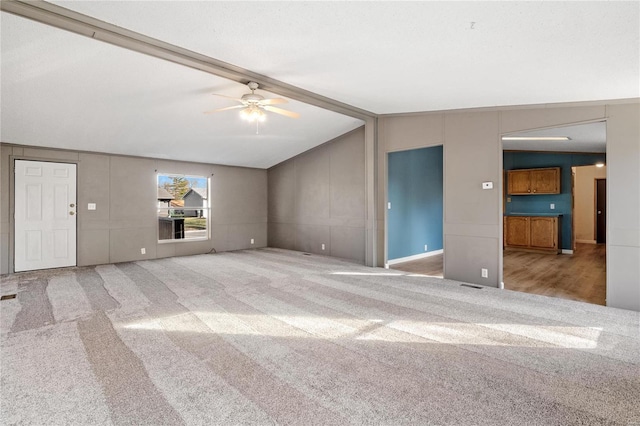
[(599, 212), (72, 205), (72, 213)]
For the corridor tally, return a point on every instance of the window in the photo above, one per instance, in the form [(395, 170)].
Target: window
[(183, 208)]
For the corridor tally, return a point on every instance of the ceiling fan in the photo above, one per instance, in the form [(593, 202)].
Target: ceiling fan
[(254, 105)]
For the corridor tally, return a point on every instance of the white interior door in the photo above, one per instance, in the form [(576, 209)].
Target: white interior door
[(45, 215)]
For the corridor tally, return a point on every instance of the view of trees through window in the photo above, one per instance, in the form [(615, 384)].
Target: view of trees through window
[(183, 207)]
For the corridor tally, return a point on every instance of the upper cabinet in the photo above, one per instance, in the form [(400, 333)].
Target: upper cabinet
[(533, 181)]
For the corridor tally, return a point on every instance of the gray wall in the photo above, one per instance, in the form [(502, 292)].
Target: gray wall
[(124, 190), (623, 206), (319, 198), (473, 154)]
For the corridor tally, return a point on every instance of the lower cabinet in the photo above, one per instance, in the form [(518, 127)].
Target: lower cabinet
[(540, 233), (517, 232)]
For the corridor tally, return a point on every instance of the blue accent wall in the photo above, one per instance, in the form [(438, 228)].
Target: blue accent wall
[(416, 195), (541, 203)]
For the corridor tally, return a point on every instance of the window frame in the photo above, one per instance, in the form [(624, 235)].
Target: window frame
[(206, 216)]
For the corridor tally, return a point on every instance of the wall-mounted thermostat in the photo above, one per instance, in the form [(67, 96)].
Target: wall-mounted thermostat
[(487, 185)]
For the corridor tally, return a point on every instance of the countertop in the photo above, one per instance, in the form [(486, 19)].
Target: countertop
[(533, 214)]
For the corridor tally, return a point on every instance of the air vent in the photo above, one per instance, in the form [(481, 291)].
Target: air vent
[(8, 296), (471, 286)]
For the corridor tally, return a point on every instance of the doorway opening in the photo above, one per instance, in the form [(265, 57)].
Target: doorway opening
[(550, 220), (415, 211)]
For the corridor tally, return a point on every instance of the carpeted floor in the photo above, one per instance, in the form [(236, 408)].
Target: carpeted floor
[(278, 337)]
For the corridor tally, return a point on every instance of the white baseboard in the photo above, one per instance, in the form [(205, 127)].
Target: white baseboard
[(414, 257), (586, 241), (565, 251)]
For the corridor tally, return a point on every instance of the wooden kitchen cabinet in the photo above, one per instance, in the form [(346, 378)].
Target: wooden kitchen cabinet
[(539, 233), (545, 181), (544, 232), (533, 181), (519, 181), (517, 231)]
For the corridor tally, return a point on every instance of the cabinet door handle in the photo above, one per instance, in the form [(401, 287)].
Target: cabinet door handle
[(534, 190), (528, 190)]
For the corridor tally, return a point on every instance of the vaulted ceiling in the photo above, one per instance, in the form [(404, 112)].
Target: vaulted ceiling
[(64, 90)]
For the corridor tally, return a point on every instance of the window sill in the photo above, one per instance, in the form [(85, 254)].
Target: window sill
[(184, 240)]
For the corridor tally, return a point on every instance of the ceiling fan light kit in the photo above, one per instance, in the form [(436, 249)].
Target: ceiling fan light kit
[(253, 113)]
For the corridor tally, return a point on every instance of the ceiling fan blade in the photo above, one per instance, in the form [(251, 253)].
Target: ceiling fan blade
[(281, 111), (228, 97), (274, 101), (224, 109)]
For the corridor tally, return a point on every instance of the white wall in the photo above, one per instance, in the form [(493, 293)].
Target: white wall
[(584, 199)]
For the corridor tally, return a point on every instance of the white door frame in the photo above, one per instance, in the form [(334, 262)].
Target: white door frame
[(12, 204)]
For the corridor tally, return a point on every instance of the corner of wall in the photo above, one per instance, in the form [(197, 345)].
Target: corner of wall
[(317, 199)]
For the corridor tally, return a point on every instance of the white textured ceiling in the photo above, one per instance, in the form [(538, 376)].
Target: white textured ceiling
[(391, 57), (63, 90)]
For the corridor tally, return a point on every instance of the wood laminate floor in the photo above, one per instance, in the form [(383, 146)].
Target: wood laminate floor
[(581, 276), (431, 266)]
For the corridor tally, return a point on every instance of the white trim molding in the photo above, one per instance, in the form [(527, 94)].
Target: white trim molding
[(414, 257)]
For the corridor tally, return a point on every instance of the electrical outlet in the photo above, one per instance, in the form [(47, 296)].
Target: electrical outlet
[(323, 247), (425, 247), (485, 273), (143, 250), (253, 241), (91, 206), (552, 206), (389, 205)]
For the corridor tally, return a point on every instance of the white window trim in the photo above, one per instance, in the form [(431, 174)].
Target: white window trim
[(207, 217)]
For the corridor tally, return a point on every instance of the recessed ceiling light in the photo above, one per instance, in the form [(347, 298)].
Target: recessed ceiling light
[(599, 164), (536, 138)]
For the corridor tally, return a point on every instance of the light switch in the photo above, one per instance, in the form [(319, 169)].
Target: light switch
[(91, 206), (487, 185), (552, 206)]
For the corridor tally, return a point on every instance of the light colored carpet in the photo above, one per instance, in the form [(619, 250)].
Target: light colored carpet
[(272, 336)]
